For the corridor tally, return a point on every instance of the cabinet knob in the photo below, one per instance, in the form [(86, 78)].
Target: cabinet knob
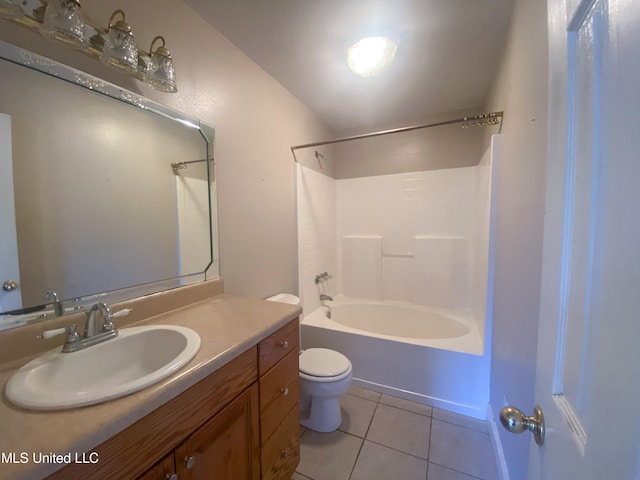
[(284, 344), (284, 453), (171, 476), (285, 391), (189, 462)]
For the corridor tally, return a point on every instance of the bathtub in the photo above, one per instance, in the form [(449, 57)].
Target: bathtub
[(432, 356)]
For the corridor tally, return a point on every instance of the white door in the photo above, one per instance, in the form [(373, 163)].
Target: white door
[(9, 272), (588, 371)]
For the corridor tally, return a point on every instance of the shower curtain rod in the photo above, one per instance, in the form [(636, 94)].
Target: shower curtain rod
[(182, 165), (484, 119)]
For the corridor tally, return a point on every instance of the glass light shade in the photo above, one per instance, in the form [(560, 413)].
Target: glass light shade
[(161, 73), (10, 9), (370, 56), (120, 48), (64, 21)]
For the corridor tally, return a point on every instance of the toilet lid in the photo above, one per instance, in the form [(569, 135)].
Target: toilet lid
[(322, 362)]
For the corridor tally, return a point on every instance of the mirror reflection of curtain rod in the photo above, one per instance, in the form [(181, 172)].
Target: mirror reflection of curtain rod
[(182, 165), (493, 118)]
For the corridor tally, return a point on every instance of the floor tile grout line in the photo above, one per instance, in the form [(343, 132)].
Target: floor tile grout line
[(431, 407), (371, 420), (457, 471), (355, 462), (396, 450), (430, 444), (461, 426), (430, 415), (407, 410), (365, 398), (363, 440), (404, 409)]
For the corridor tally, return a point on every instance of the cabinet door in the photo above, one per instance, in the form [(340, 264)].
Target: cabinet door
[(227, 446), (165, 469)]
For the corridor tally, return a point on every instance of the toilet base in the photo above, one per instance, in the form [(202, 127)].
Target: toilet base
[(323, 416)]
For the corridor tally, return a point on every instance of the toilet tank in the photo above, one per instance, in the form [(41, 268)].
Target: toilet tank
[(284, 298)]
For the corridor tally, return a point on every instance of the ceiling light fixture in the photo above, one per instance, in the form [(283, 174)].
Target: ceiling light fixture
[(370, 56)]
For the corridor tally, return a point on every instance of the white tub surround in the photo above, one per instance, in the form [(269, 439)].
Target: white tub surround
[(362, 266), (418, 245)]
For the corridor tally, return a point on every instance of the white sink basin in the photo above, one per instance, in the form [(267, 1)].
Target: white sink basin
[(137, 358)]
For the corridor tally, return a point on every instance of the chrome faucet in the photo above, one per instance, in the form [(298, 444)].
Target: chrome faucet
[(324, 297), (58, 307), (91, 328), (92, 334)]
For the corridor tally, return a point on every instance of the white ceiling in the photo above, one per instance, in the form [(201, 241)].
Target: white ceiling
[(447, 54)]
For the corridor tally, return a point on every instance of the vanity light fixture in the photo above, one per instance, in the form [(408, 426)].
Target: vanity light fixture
[(64, 21), (161, 74), (370, 56), (120, 50), (10, 9)]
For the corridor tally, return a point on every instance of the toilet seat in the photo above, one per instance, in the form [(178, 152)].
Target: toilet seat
[(324, 365)]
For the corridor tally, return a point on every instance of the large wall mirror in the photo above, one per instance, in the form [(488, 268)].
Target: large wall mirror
[(103, 193)]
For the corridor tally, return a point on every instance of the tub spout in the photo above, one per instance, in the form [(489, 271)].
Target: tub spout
[(324, 297)]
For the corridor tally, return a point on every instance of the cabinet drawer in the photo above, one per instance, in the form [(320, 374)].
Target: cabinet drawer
[(281, 454), (279, 392), (277, 345)]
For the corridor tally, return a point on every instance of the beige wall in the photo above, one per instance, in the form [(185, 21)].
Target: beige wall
[(434, 148), (326, 164), (520, 90), (256, 122)]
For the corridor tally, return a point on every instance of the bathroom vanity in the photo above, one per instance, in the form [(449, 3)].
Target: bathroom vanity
[(239, 423), (231, 412)]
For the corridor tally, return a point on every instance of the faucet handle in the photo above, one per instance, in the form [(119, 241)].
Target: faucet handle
[(71, 331)]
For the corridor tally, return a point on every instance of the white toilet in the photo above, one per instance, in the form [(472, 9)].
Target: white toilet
[(324, 376)]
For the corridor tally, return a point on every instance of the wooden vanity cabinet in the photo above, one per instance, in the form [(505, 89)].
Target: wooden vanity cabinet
[(239, 423), (227, 445), (163, 470)]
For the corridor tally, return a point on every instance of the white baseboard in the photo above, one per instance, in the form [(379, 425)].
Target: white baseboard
[(501, 461), (468, 410)]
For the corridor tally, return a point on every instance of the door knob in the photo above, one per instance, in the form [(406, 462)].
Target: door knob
[(9, 286), (517, 422)]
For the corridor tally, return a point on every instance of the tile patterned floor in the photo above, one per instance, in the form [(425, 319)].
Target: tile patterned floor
[(388, 438)]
